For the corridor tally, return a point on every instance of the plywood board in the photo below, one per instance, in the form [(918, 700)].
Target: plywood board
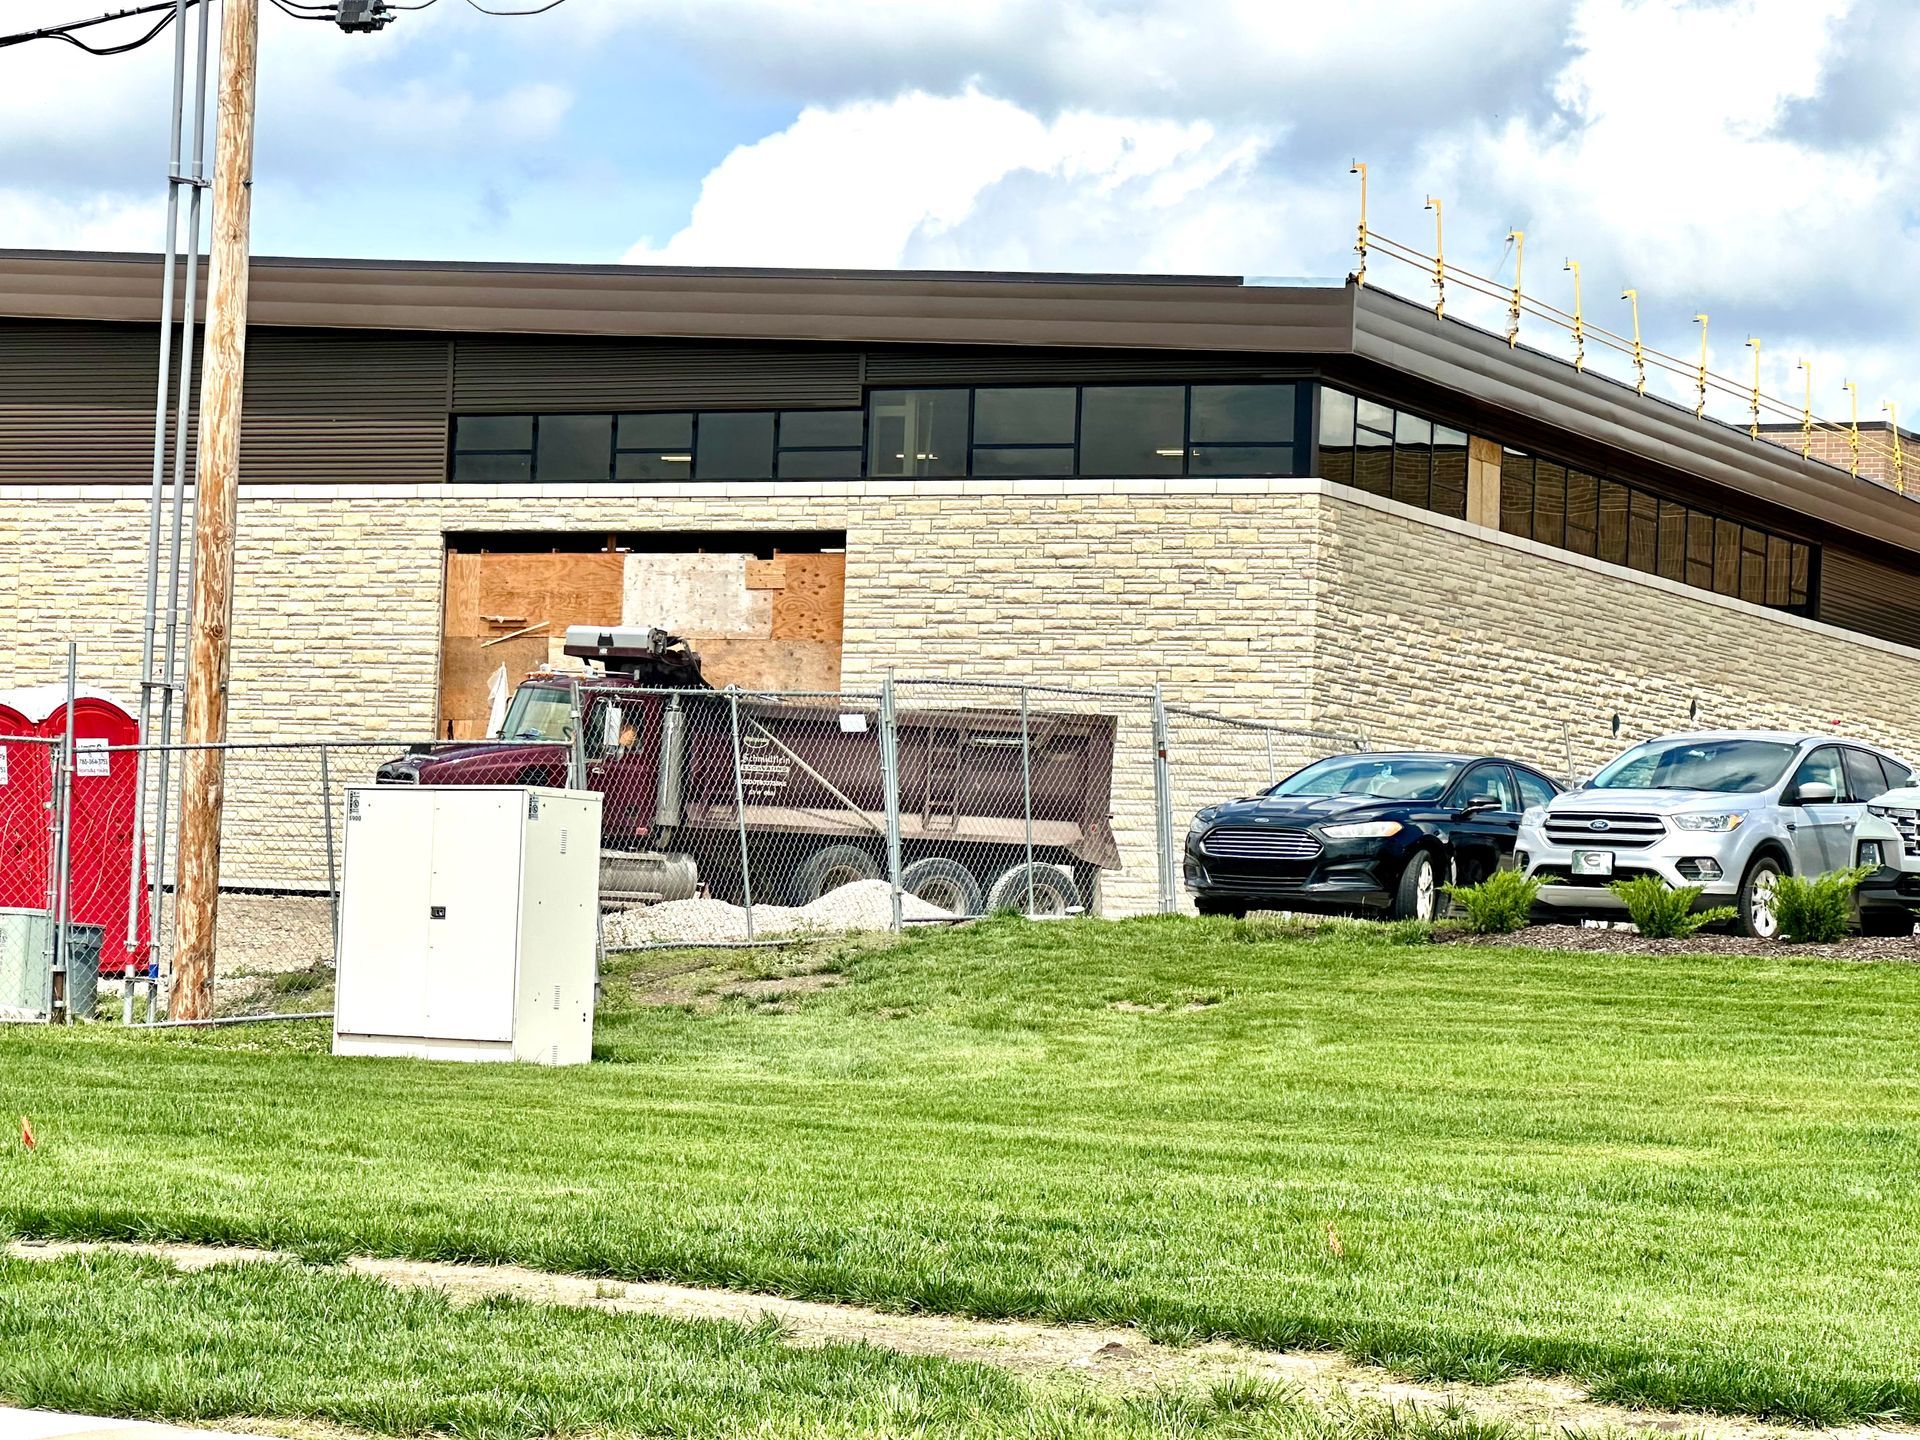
[(563, 589), (690, 594), (466, 667), (766, 574), (462, 595), (811, 604), (770, 664)]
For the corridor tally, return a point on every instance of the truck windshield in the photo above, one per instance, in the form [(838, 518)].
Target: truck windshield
[(1725, 767), (1388, 777), (539, 712)]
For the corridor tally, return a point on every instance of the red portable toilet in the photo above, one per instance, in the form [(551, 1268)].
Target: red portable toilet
[(105, 790), (26, 825)]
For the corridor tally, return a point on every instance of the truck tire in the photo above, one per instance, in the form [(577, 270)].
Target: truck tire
[(1053, 890), (830, 867), (945, 883)]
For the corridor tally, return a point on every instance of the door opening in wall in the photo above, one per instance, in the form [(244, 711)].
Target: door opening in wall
[(764, 609)]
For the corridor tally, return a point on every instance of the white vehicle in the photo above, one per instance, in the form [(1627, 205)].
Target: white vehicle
[(1730, 811), (1888, 838)]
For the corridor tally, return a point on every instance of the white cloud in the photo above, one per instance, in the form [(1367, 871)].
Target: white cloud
[(101, 223), (882, 183)]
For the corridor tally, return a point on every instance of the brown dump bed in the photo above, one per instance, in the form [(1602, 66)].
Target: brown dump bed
[(805, 769)]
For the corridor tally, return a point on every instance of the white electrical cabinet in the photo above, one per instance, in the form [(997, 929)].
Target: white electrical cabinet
[(468, 923)]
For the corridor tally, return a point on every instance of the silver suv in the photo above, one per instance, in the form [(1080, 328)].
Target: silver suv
[(1727, 810)]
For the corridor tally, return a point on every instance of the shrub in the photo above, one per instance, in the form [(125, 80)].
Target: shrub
[(1499, 904), (1661, 912), (1817, 911)]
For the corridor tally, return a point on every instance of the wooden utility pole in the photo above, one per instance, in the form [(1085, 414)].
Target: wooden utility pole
[(216, 492)]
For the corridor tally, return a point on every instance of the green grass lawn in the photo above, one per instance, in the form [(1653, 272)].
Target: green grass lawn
[(1684, 1182)]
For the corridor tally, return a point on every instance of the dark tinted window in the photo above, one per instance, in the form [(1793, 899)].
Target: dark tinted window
[(1864, 776), (1534, 789), (917, 432), (734, 446), (1516, 493), (1023, 460), (573, 447), (1823, 767), (1449, 495), (1243, 414), (1486, 782), (653, 465), (1373, 448), (1336, 435), (1133, 429), (1023, 417), (493, 432), (816, 429), (484, 468), (1412, 459), (1898, 775), (1241, 460), (654, 432), (819, 465)]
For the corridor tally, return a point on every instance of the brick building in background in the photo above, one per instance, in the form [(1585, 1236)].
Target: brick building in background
[(1317, 505)]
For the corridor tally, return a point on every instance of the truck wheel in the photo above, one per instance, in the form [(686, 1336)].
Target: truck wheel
[(943, 882), (1886, 921), (1053, 890), (830, 867)]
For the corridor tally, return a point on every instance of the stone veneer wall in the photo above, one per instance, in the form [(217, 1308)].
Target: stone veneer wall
[(1202, 584), (1434, 632), (1291, 600)]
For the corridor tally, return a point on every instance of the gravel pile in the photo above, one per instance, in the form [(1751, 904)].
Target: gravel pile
[(1627, 941), (863, 905)]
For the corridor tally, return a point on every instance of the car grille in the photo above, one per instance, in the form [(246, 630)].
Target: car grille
[(1622, 831), (1907, 822), (1241, 843)]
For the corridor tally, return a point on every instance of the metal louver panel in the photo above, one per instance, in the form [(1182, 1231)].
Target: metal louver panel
[(536, 374)]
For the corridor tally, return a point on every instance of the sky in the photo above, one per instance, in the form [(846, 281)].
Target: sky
[(1747, 159)]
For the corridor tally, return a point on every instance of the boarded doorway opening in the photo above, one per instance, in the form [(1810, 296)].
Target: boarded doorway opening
[(764, 610)]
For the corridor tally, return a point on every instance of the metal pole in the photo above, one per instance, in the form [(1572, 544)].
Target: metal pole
[(203, 773), (1269, 757), (136, 880), (740, 809), (170, 685), (326, 823), (1026, 792), (1162, 802), (63, 863), (890, 785)]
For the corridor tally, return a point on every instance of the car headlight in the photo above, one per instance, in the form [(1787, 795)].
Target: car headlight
[(1534, 815), (1203, 819), (1362, 830), (1719, 823)]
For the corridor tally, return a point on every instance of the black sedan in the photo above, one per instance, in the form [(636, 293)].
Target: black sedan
[(1373, 832)]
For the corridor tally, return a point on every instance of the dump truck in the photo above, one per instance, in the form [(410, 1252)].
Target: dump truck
[(804, 811)]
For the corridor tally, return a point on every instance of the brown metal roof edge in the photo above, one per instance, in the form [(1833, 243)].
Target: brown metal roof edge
[(1406, 336), (712, 272)]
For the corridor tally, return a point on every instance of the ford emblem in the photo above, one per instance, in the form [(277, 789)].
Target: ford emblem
[(1599, 824)]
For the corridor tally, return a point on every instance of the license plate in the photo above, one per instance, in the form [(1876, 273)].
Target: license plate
[(1593, 862)]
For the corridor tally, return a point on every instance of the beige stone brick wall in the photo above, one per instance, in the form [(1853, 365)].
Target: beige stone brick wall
[(1284, 599), (1203, 585), (1432, 632)]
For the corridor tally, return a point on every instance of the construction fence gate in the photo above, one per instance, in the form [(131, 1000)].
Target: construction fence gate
[(730, 817)]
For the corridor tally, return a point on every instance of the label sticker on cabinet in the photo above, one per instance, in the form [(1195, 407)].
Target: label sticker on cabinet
[(90, 758)]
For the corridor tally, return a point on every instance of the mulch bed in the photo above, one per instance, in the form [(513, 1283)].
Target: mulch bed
[(1625, 940)]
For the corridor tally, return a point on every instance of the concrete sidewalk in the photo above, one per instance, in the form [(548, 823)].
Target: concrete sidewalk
[(52, 1425)]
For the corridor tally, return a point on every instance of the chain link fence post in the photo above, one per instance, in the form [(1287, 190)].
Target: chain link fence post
[(333, 876), (1163, 804), (60, 1008), (740, 810), (890, 796), (1026, 792)]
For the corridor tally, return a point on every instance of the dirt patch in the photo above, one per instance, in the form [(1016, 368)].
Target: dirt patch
[(1624, 940), (1110, 1357)]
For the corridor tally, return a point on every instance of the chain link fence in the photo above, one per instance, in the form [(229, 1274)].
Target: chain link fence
[(729, 818)]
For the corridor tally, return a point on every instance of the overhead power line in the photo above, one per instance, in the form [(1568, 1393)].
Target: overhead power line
[(65, 31)]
